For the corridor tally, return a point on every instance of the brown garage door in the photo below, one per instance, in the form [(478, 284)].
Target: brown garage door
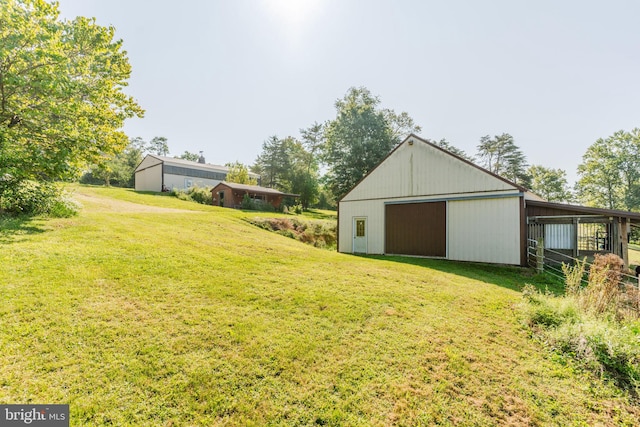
[(416, 229)]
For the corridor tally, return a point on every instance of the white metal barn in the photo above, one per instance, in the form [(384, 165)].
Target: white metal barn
[(156, 173), (422, 200)]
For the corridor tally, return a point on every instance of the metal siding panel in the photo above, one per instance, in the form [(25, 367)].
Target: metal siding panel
[(419, 169), (485, 230), (374, 212), (149, 179), (177, 181), (148, 161), (559, 236)]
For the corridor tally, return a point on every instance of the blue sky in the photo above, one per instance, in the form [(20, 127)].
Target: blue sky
[(223, 76)]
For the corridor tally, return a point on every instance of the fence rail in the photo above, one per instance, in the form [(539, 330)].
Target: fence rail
[(538, 259)]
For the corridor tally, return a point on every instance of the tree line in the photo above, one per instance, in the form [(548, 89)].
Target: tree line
[(330, 158), (62, 108)]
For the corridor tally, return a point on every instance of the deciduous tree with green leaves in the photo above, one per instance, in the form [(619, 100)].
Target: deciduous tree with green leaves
[(192, 157), (239, 174), (550, 184), (62, 103), (609, 175), (360, 136), (118, 169), (159, 145)]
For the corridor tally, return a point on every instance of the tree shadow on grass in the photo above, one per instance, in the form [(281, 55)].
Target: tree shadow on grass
[(510, 277), (11, 228)]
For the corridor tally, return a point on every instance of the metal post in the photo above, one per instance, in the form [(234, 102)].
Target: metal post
[(540, 255)]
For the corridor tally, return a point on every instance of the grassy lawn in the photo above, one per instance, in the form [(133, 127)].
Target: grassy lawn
[(634, 254), (187, 315)]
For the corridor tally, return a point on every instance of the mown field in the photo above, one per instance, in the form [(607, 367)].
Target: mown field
[(145, 310)]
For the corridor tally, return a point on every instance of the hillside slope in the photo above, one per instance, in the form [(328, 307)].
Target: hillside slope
[(146, 310)]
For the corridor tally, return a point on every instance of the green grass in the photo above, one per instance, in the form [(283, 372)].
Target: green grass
[(634, 254), (198, 318)]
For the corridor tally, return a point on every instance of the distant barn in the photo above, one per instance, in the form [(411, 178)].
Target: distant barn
[(158, 173), (422, 200)]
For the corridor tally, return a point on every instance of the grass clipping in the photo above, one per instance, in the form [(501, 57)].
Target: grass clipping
[(597, 323)]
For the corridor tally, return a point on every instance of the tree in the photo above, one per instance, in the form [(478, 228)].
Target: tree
[(313, 142), (359, 138), (274, 163), (62, 104), (401, 125), (502, 156), (550, 184), (609, 175), (159, 145), (239, 174), (118, 169), (443, 143), (303, 174), (192, 157)]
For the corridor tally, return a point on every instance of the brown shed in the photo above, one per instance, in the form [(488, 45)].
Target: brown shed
[(230, 195)]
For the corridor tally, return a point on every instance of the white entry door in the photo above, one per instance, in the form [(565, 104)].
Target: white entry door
[(360, 235)]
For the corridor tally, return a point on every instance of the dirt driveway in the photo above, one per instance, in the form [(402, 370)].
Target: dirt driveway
[(106, 204)]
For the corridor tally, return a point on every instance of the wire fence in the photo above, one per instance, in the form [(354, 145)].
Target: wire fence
[(553, 266)]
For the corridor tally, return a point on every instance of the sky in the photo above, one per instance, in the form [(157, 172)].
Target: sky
[(222, 76)]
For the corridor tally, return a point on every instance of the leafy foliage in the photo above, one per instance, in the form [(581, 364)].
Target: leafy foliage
[(318, 233), (609, 175), (192, 157), (196, 194), (284, 164), (502, 156), (62, 103), (29, 197), (239, 174), (119, 169), (596, 324), (159, 145), (359, 137), (274, 163), (443, 143), (550, 184)]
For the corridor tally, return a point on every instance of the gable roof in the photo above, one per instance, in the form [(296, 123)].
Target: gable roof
[(414, 138), (256, 189), (585, 210), (191, 164)]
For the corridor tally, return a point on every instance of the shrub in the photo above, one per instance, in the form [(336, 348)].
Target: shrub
[(574, 276), (603, 293), (581, 324), (321, 234), (64, 207), (248, 203), (29, 197), (196, 194), (200, 195)]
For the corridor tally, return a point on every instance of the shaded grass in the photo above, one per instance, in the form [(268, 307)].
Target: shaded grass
[(201, 319), (14, 227)]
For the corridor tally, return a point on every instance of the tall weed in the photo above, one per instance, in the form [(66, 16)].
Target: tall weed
[(596, 324)]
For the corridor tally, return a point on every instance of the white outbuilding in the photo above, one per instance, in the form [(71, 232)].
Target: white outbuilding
[(160, 173), (425, 201), (422, 200)]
